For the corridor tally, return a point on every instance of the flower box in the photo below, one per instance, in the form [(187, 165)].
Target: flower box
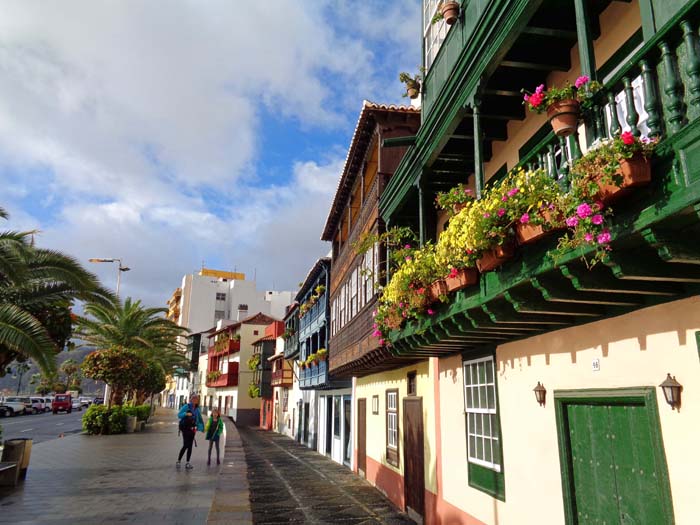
[(437, 289), (563, 116), (635, 171), (528, 233), (495, 257), (460, 279)]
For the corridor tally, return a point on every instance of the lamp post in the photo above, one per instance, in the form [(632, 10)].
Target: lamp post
[(120, 268)]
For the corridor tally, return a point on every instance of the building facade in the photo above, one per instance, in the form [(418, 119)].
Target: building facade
[(538, 389), (229, 375)]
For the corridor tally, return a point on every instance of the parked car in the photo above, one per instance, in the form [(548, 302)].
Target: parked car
[(20, 402), (47, 403), (8, 407), (38, 404), (76, 404), (62, 402), (99, 401), (85, 401)]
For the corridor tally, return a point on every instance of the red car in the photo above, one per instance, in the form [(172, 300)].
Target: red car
[(62, 402)]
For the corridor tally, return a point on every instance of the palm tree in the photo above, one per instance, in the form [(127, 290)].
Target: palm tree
[(131, 325), (37, 288)]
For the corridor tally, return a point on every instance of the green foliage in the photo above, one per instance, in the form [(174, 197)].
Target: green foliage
[(411, 82), (454, 199), (582, 91), (253, 390), (142, 412), (119, 367), (253, 362), (101, 419)]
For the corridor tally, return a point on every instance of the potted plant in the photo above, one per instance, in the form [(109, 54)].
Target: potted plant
[(533, 202), (563, 105), (412, 84), (448, 10), (613, 167), (311, 360), (454, 200), (322, 354), (253, 362), (587, 222)]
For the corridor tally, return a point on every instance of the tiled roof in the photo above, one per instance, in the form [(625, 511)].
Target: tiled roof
[(259, 318), (347, 178), (311, 276), (264, 338)]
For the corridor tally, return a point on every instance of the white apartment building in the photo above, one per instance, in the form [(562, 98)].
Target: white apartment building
[(210, 296)]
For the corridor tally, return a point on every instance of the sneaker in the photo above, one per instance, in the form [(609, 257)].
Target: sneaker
[(188, 466), (177, 464)]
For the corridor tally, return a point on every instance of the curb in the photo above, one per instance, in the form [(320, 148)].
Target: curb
[(231, 503)]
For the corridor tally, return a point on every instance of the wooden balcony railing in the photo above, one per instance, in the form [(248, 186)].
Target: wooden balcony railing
[(282, 377), (224, 380)]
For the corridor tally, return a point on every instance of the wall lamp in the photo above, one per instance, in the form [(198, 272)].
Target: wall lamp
[(540, 393), (672, 391)]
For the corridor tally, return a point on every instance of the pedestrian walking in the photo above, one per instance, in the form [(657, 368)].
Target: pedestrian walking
[(213, 429), (190, 422), (188, 429)]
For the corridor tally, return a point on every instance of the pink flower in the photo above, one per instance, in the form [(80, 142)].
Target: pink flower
[(597, 219), (627, 138), (467, 191), (604, 237), (400, 305), (408, 258), (381, 342), (376, 333), (420, 291), (374, 313), (572, 222), (407, 247), (501, 212), (536, 98), (581, 81), (453, 273), (513, 192), (588, 237), (430, 311), (584, 210), (539, 89), (487, 215), (470, 251), (525, 218), (504, 198), (374, 326)]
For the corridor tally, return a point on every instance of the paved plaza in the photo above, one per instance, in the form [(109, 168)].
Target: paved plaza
[(129, 478)]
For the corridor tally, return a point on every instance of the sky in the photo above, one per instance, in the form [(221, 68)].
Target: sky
[(172, 133)]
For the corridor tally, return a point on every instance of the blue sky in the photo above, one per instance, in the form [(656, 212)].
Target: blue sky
[(174, 132)]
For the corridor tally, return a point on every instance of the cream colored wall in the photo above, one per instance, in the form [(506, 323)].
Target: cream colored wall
[(618, 23), (378, 384), (245, 376), (635, 350)]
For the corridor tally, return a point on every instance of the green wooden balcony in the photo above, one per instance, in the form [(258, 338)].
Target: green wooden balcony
[(655, 253)]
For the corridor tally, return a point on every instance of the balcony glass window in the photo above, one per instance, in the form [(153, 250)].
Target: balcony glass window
[(220, 296), (219, 314), (433, 34)]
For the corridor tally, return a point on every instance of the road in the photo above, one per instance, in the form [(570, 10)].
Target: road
[(41, 427)]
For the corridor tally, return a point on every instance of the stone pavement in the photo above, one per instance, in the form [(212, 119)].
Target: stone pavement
[(129, 478), (290, 483)]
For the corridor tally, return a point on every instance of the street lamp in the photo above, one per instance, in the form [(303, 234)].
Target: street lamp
[(120, 268)]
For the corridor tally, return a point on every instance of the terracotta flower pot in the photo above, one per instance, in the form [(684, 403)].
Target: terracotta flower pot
[(413, 90), (450, 12), (437, 289), (495, 257), (530, 233), (563, 116), (635, 171), (458, 207), (465, 277)]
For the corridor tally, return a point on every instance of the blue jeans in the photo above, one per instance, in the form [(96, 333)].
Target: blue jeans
[(212, 441)]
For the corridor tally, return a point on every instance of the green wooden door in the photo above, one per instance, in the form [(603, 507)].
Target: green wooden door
[(615, 471)]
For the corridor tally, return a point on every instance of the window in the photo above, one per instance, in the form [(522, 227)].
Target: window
[(285, 399), (243, 307), (433, 34), (412, 388), (256, 332), (483, 427), (392, 427), (353, 293), (220, 296), (375, 405), (219, 314), (336, 416)]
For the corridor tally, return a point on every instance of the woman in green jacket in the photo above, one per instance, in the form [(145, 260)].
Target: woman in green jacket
[(213, 429)]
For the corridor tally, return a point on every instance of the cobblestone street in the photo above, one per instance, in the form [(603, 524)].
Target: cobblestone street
[(290, 483), (129, 478)]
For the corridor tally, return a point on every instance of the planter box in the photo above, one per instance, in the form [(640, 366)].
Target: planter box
[(437, 289), (465, 277), (635, 172), (495, 257)]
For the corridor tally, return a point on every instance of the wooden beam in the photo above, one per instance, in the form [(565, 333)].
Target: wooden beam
[(547, 31), (534, 66)]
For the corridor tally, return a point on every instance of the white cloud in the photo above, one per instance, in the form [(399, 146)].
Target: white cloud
[(133, 127)]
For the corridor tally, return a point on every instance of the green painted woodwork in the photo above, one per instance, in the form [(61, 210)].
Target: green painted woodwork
[(697, 342), (612, 458), (398, 142), (666, 10), (672, 88), (651, 103), (620, 56), (487, 480), (690, 39), (478, 153), (585, 39)]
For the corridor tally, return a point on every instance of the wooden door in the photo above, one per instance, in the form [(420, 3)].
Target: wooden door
[(615, 466), (305, 438), (329, 425), (414, 480), (362, 437)]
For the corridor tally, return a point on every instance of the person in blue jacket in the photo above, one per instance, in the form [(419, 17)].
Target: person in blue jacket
[(193, 406)]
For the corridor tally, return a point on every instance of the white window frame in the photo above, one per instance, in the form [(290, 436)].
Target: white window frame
[(433, 34), (392, 419), (486, 412)]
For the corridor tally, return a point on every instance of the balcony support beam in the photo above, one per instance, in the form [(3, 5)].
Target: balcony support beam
[(478, 151), (585, 39)]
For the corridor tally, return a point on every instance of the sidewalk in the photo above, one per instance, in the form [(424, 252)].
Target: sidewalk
[(128, 478), (290, 483)]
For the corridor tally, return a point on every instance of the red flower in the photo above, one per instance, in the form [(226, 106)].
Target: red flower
[(627, 138)]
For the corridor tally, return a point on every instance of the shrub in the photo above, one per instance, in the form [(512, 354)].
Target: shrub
[(117, 420), (96, 419)]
